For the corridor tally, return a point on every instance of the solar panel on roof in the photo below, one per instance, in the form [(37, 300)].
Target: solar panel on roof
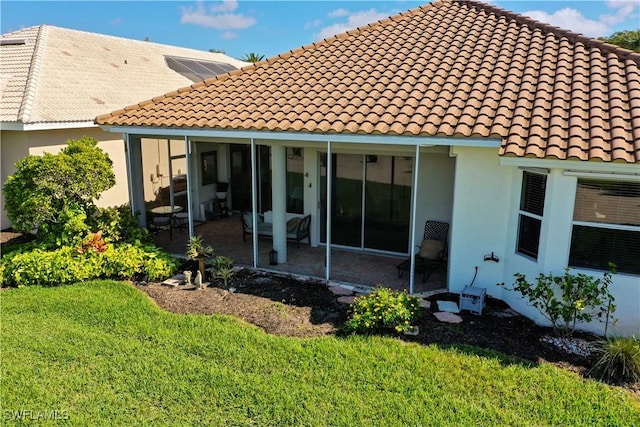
[(196, 69)]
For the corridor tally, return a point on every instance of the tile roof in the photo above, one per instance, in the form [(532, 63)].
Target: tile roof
[(63, 75), (450, 68)]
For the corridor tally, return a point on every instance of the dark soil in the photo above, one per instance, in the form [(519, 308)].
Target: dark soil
[(10, 237), (279, 305)]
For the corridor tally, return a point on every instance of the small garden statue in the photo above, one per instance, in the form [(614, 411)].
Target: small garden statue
[(198, 281), (187, 277)]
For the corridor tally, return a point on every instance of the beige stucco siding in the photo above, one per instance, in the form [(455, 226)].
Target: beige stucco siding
[(15, 145)]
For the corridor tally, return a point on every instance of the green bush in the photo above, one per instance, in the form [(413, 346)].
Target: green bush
[(618, 359), (223, 269), (567, 299), (118, 224), (383, 310), (69, 264), (44, 189)]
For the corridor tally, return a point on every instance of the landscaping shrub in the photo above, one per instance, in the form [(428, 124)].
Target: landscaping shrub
[(53, 195), (383, 310), (197, 250), (119, 225), (223, 269), (46, 192), (618, 359), (567, 299), (68, 265)]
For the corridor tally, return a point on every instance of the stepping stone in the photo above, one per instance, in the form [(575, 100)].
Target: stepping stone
[(346, 299), (446, 317), (425, 304), (449, 306), (176, 280), (413, 331), (338, 290)]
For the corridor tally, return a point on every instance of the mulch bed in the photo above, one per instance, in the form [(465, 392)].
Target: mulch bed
[(286, 306), (10, 237), (279, 305)]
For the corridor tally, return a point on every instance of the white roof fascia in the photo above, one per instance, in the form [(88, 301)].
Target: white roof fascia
[(303, 136), (574, 165), (11, 126), (19, 126), (59, 125)]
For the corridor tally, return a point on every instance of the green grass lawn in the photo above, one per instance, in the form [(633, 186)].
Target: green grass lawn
[(102, 354)]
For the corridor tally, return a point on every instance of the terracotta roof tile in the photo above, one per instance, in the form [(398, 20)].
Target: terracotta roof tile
[(450, 68)]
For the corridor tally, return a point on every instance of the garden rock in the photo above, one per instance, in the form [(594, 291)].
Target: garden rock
[(449, 306), (446, 317), (174, 281), (346, 299), (338, 290), (425, 304), (570, 345)]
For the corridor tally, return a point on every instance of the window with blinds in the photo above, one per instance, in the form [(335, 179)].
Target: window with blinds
[(530, 215), (606, 226)]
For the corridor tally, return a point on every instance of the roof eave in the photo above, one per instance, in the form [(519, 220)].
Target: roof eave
[(26, 127), (306, 136)]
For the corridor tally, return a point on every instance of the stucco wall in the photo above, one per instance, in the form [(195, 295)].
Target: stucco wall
[(435, 190), (16, 145), (482, 194), (13, 147), (485, 219)]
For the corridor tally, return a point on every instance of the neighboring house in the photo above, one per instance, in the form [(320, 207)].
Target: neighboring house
[(524, 137), (54, 81)]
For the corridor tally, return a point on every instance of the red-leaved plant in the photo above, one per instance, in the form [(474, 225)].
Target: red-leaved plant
[(93, 241)]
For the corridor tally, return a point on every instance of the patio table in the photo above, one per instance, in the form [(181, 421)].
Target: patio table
[(162, 216)]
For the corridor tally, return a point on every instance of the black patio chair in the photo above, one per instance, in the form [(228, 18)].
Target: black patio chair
[(432, 253), (159, 223)]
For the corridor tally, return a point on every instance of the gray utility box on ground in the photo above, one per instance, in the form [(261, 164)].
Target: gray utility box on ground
[(472, 299)]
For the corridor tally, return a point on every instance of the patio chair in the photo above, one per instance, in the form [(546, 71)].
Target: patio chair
[(181, 221), (432, 253), (159, 223)]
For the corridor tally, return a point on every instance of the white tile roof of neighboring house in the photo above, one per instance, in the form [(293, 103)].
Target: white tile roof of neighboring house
[(63, 75)]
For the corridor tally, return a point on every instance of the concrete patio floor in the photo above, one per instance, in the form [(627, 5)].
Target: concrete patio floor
[(347, 266)]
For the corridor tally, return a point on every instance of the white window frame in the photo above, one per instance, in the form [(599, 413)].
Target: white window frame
[(602, 225), (533, 171)]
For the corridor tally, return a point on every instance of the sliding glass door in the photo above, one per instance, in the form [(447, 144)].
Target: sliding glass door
[(241, 187), (371, 201)]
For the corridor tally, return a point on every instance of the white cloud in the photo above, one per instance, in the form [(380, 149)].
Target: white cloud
[(224, 6), (228, 35), (573, 19), (625, 10), (570, 19), (338, 13), (354, 20), (218, 16)]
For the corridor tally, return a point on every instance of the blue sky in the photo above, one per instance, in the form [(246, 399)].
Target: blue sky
[(272, 27)]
